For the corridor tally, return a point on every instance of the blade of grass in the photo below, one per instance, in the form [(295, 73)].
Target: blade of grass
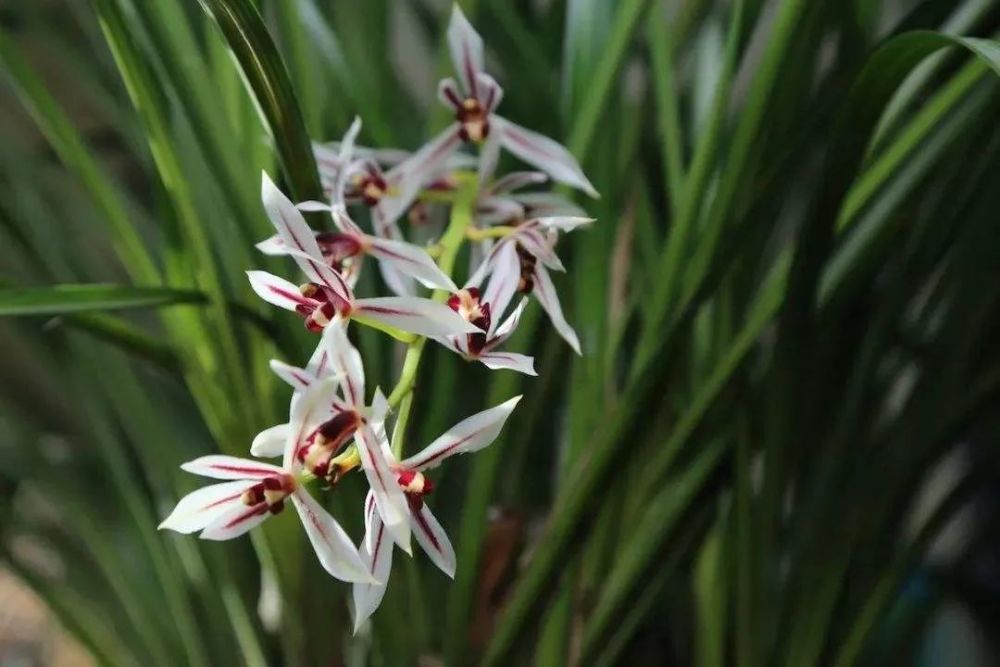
[(62, 299), (267, 77)]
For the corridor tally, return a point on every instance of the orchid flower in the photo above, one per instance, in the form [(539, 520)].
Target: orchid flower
[(526, 268), (345, 248), (474, 103), (390, 193), (254, 491), (323, 451), (486, 311), (271, 441), (327, 296), (469, 435)]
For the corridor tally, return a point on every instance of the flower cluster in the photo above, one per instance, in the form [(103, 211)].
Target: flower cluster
[(335, 425)]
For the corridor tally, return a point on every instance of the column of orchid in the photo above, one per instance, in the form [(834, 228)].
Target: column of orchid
[(336, 425)]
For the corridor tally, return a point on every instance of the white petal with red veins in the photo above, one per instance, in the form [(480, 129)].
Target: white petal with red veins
[(290, 224), (200, 508), (278, 291), (345, 360), (419, 169), (346, 159), (469, 435), (411, 260), (300, 239), (331, 543), (489, 155), (545, 292), (270, 442), (274, 245), (516, 180), (415, 315), (298, 378), (311, 408), (319, 363), (389, 498), (503, 282), (449, 94), (543, 153), (219, 466), (235, 522), (490, 91), (466, 47), (398, 283), (538, 245), (376, 553), (431, 536), (547, 203), (508, 361)]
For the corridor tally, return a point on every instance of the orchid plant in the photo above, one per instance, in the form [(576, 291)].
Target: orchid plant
[(334, 427)]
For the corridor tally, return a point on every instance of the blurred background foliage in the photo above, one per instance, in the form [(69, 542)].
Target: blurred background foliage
[(780, 446)]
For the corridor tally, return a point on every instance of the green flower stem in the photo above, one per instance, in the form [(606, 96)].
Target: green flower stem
[(454, 236)]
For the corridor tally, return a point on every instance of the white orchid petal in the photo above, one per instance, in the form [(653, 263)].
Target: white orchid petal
[(319, 363), (489, 155), (504, 331), (532, 240), (432, 538), (327, 160), (389, 499), (323, 275), (415, 315), (219, 466), (346, 363), (278, 291), (290, 224), (547, 204), (300, 239), (563, 223), (490, 92), (311, 408), (411, 260), (543, 153), (380, 410), (376, 553), (298, 378), (273, 246), (408, 177), (386, 228), (200, 508), (516, 180), (333, 546), (545, 292), (270, 442), (466, 47), (504, 280), (512, 361), (235, 522), (346, 157), (492, 210), (449, 94), (469, 435)]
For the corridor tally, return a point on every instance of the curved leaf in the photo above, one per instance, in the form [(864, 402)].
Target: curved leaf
[(265, 72)]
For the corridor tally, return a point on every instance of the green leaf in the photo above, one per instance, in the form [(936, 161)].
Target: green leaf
[(67, 142), (265, 73), (63, 299)]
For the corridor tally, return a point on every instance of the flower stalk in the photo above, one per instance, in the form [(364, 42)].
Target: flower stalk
[(458, 227)]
